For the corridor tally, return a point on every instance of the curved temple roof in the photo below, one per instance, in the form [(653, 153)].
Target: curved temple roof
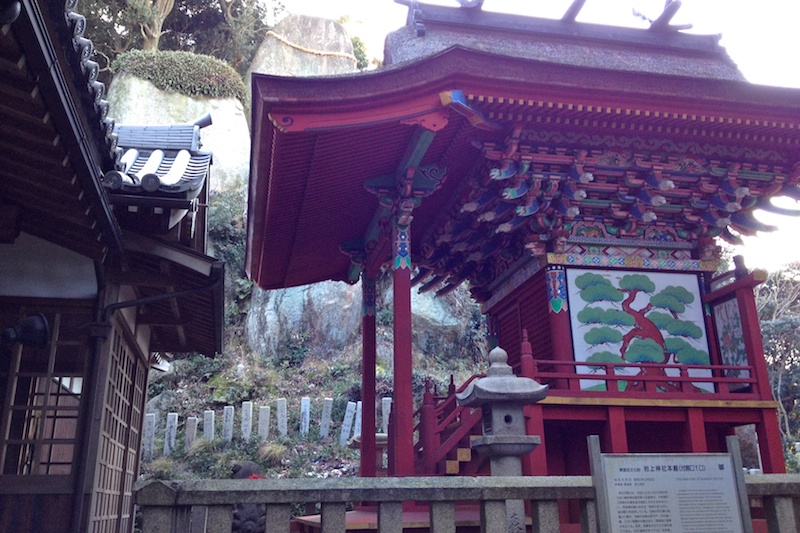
[(525, 155)]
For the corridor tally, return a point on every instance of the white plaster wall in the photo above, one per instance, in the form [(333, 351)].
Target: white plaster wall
[(32, 267)]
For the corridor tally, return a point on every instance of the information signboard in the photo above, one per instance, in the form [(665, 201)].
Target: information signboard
[(694, 493), (668, 493)]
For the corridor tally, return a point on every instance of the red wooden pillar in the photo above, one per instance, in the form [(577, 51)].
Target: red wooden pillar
[(616, 432), (368, 360), (535, 463), (402, 405), (751, 330), (560, 330), (696, 430), (769, 443)]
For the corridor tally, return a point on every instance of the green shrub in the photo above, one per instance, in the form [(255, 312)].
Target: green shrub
[(183, 72)]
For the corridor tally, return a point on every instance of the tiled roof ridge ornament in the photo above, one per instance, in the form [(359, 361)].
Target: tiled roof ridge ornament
[(9, 11), (89, 71), (147, 145), (161, 176)]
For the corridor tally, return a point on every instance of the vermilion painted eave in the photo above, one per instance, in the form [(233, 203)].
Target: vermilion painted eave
[(339, 101), (395, 94)]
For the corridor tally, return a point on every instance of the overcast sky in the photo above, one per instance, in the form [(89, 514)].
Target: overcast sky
[(761, 37)]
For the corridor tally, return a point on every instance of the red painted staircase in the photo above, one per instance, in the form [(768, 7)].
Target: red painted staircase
[(445, 430)]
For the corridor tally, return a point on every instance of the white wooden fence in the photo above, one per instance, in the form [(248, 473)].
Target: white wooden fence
[(351, 424)]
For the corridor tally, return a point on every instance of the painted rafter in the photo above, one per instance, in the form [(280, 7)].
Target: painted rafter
[(527, 194)]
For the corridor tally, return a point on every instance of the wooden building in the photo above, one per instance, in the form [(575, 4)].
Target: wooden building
[(102, 269), (576, 176)]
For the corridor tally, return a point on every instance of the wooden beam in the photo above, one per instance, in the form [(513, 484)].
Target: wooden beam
[(147, 320)]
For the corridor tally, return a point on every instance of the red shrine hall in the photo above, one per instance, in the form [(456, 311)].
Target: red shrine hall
[(578, 178)]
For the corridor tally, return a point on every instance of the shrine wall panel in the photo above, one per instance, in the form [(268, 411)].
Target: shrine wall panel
[(524, 308), (39, 513)]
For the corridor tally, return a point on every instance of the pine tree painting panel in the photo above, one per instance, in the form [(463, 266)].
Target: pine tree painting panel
[(638, 318)]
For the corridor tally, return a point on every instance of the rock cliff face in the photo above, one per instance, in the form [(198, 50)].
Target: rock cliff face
[(325, 317), (300, 45), (328, 316)]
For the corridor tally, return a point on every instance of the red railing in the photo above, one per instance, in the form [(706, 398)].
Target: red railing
[(647, 379)]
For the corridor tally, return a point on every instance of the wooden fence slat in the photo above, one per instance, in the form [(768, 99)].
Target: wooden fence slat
[(443, 517), (227, 423), (350, 424), (283, 427), (325, 422), (333, 518), (148, 442), (247, 420), (170, 433), (191, 432), (347, 423), (208, 425), (305, 415), (263, 422)]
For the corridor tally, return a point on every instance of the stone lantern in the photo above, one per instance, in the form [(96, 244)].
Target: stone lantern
[(503, 396)]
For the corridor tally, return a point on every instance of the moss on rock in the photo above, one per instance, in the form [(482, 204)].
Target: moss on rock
[(183, 72)]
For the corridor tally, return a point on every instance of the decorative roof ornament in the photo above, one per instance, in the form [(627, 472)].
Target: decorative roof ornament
[(9, 11), (662, 23)]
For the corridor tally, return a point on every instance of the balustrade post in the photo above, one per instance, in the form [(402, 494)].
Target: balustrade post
[(780, 515), (493, 516), (428, 429), (332, 517), (451, 391), (544, 516), (277, 518), (589, 516), (157, 519), (390, 517), (197, 520), (612, 383), (443, 517), (684, 372), (526, 362), (219, 519)]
